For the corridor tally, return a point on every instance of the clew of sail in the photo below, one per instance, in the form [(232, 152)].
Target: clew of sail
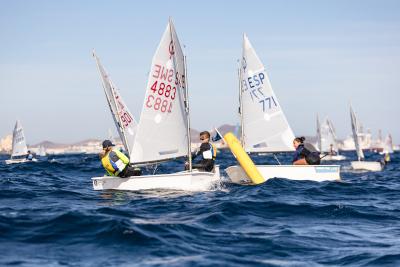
[(123, 119), (264, 125), (19, 147), (356, 136), (163, 127)]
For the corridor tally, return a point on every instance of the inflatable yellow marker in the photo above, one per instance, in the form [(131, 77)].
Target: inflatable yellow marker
[(244, 160)]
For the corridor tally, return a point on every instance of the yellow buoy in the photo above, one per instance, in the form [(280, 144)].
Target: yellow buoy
[(244, 160)]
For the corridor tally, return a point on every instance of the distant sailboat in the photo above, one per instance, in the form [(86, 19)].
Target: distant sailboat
[(163, 131), (19, 149), (327, 141), (124, 121), (265, 128), (361, 164)]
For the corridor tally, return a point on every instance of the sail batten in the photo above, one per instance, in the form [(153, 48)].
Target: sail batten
[(265, 128)]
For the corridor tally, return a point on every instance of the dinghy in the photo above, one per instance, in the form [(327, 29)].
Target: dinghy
[(361, 164), (264, 125), (19, 148), (163, 131), (327, 141), (123, 119)]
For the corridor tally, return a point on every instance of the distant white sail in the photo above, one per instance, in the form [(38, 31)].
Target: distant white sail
[(265, 126), (123, 119), (388, 147), (19, 147), (327, 137), (356, 136), (42, 151), (163, 127)]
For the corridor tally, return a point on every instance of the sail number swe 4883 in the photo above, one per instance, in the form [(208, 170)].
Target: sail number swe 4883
[(156, 102)]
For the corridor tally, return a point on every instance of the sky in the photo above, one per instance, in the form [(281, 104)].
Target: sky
[(319, 55)]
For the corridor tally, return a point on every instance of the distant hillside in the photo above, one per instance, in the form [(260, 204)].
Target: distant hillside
[(49, 144)]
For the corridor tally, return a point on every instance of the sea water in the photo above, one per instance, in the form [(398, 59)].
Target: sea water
[(51, 216)]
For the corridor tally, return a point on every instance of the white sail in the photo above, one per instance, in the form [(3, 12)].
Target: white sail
[(123, 119), (42, 151), (19, 147), (162, 131), (265, 126), (388, 147), (356, 137), (327, 137)]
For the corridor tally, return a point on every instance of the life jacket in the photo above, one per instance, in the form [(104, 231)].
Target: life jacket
[(113, 167), (211, 153)]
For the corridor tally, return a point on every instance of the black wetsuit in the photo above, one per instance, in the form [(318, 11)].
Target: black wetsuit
[(308, 152), (205, 164)]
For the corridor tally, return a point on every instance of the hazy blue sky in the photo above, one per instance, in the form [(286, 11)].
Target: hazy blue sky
[(319, 55)]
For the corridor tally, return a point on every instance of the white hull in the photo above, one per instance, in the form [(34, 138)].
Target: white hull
[(334, 157), (14, 161), (189, 181), (317, 173), (374, 166)]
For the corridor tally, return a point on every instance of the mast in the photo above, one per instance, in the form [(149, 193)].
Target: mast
[(240, 105), (189, 139)]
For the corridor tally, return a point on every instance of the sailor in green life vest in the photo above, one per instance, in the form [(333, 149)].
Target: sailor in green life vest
[(115, 162)]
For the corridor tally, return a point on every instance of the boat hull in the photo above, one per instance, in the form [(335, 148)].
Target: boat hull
[(374, 166), (189, 181), (318, 173), (333, 157), (15, 161)]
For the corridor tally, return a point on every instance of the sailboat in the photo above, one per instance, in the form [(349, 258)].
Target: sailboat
[(124, 121), (265, 128), (19, 148), (327, 141), (361, 164), (163, 131)]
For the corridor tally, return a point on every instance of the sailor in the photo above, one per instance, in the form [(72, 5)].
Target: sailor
[(306, 153), (29, 156), (115, 162), (208, 153), (332, 152)]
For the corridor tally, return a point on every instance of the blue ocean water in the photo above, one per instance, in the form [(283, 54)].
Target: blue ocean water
[(50, 216)]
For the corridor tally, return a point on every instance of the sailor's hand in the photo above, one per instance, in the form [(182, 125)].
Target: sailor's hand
[(186, 163)]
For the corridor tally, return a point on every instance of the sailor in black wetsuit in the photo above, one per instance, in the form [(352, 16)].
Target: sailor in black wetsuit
[(208, 153), (305, 153)]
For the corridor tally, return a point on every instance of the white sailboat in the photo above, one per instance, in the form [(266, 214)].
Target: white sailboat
[(19, 149), (361, 164), (124, 121), (163, 131), (327, 141), (264, 125)]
